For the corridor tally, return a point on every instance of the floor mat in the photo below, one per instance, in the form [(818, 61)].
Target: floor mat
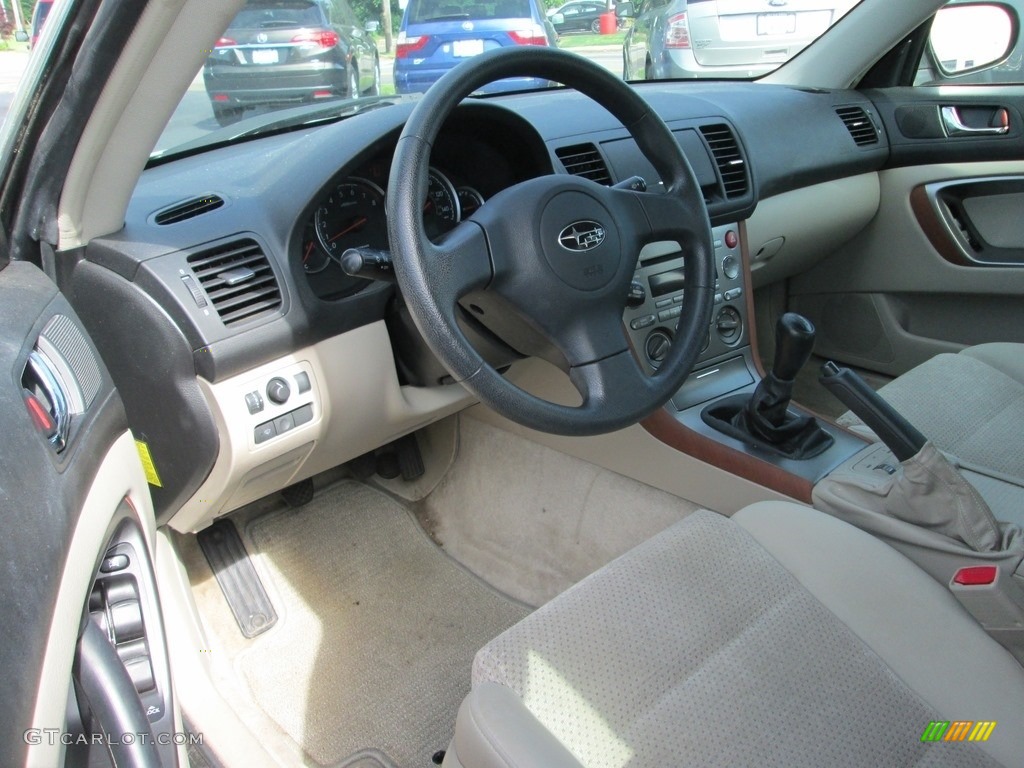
[(378, 629), (533, 521)]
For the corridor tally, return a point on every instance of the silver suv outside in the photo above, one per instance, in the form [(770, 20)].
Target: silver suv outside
[(722, 38)]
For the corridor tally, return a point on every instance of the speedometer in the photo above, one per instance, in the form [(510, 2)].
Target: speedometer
[(441, 209), (352, 216)]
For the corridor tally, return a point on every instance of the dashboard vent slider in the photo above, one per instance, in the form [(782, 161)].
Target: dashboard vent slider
[(584, 160), (731, 165), (859, 125), (238, 279)]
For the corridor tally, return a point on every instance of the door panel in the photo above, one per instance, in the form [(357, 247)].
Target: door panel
[(61, 504), (974, 222), (942, 264)]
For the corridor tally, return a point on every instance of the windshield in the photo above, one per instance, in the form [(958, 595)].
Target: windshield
[(283, 62)]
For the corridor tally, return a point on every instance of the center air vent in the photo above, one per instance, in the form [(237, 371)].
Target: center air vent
[(188, 209), (238, 280), (584, 160), (859, 125), (731, 165)]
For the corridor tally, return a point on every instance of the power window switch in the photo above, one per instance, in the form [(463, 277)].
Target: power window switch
[(141, 673), (302, 382), (264, 432), (254, 402), (127, 620)]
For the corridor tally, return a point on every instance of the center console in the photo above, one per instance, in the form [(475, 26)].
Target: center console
[(726, 366), (657, 294)]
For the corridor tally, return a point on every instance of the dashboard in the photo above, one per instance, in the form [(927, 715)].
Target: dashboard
[(300, 367)]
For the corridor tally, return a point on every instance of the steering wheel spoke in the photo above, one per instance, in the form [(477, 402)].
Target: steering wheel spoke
[(613, 385), (458, 264)]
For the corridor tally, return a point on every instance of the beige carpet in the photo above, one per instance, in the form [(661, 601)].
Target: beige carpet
[(377, 632), (533, 521)]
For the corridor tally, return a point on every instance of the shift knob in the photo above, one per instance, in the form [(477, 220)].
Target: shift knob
[(794, 340)]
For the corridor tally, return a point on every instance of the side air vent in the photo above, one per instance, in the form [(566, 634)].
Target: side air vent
[(584, 160), (188, 209), (859, 125), (731, 165), (238, 280)]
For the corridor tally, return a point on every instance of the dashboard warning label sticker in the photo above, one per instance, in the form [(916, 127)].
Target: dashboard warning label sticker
[(147, 464)]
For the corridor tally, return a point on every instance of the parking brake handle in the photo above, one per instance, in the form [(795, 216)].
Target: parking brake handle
[(898, 434)]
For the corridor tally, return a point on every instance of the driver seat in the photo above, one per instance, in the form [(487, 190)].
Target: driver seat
[(781, 636)]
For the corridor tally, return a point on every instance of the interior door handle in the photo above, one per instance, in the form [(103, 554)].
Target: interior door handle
[(54, 390), (955, 126)]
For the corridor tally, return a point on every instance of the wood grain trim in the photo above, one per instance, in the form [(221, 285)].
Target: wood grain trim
[(930, 223), (664, 427), (748, 287)]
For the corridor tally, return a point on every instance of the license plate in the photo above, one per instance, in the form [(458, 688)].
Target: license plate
[(772, 24), (463, 48), (264, 56)]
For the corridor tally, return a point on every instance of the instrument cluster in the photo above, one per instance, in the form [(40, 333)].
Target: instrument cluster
[(352, 215)]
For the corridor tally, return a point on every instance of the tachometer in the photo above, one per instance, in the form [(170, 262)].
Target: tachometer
[(352, 216), (441, 208)]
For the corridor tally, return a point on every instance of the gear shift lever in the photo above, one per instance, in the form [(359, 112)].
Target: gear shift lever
[(763, 419), (794, 340)]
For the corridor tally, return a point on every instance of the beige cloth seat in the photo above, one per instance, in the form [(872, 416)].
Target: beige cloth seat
[(780, 637), (970, 404)]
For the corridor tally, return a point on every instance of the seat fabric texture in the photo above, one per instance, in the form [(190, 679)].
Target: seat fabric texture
[(969, 404), (749, 641)]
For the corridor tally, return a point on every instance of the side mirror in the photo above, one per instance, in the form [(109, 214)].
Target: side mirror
[(21, 36), (557, 18), (403, 4), (372, 27), (971, 37), (624, 10)]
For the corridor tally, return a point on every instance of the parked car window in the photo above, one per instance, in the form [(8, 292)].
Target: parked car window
[(274, 15)]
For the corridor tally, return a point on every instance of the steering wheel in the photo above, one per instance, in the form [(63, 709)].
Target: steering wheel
[(558, 251)]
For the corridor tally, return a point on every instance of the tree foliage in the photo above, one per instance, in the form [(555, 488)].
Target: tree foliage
[(373, 10)]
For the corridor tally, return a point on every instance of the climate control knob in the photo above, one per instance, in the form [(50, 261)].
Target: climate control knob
[(657, 346), (278, 390), (729, 325)]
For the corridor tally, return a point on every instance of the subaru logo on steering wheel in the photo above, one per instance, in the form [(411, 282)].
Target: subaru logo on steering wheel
[(581, 236)]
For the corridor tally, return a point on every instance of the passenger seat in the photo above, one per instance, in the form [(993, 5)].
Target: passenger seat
[(969, 404)]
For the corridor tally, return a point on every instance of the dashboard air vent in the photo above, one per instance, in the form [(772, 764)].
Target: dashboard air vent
[(238, 280), (584, 160), (859, 125), (188, 209), (731, 165)]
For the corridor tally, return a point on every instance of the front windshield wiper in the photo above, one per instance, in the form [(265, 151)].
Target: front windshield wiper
[(273, 123)]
